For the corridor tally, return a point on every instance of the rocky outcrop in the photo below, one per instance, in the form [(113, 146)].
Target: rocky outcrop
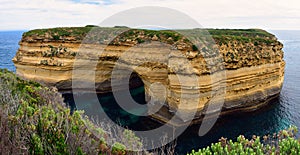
[(239, 69)]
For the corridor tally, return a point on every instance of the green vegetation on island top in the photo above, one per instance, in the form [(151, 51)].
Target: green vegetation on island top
[(221, 36)]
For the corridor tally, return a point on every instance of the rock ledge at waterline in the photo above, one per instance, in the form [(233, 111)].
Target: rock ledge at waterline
[(244, 67)]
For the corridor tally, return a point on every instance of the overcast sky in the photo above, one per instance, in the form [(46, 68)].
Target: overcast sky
[(266, 14)]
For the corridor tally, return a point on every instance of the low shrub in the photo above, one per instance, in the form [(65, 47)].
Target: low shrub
[(35, 120), (282, 143), (118, 148)]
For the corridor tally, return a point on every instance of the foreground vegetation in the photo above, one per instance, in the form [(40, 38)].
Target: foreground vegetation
[(282, 143), (35, 120)]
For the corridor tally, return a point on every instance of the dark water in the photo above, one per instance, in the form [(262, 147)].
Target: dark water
[(281, 113)]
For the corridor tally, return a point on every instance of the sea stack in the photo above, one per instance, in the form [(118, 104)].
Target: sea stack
[(249, 64)]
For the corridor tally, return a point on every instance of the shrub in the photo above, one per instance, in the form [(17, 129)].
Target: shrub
[(139, 40), (10, 143), (195, 48), (91, 26), (35, 120), (56, 37), (118, 149), (282, 143), (44, 62)]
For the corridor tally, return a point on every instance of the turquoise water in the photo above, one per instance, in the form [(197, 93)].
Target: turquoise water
[(281, 113)]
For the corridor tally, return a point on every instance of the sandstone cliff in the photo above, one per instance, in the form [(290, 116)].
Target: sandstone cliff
[(245, 66)]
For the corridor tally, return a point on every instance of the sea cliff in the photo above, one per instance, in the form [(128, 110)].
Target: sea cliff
[(248, 64)]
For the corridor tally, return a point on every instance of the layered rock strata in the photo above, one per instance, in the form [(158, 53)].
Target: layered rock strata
[(235, 70)]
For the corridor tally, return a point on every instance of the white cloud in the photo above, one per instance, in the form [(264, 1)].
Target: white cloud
[(267, 14)]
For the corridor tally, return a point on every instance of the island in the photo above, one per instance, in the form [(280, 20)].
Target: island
[(248, 63)]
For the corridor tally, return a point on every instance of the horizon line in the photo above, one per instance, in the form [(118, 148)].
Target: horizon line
[(25, 30)]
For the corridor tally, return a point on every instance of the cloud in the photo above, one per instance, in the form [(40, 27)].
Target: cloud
[(267, 14), (95, 2)]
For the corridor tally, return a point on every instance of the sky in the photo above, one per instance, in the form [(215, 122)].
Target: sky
[(265, 14)]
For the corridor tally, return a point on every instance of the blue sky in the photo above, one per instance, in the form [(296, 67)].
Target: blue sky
[(266, 14)]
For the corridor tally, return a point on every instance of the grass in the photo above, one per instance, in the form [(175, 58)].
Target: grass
[(222, 36), (256, 36), (56, 33), (250, 33)]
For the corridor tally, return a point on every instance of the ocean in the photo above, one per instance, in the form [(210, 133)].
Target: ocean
[(8, 47), (281, 113)]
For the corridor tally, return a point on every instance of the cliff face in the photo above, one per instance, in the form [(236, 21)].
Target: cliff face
[(249, 66)]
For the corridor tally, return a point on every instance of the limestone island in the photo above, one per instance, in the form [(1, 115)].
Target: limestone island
[(248, 63)]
